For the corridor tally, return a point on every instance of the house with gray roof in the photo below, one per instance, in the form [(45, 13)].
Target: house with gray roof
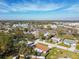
[(69, 42)]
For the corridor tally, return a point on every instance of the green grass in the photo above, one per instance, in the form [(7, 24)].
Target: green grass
[(56, 53), (50, 41), (77, 47), (52, 54), (10, 57), (65, 36), (43, 54), (62, 44)]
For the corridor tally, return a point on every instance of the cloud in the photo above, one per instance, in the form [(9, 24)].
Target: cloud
[(25, 7), (35, 7), (38, 6), (4, 8), (3, 11), (73, 8), (4, 5)]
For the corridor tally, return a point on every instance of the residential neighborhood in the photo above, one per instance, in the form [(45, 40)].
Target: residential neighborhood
[(39, 40)]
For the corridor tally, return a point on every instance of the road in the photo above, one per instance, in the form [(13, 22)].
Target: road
[(51, 45)]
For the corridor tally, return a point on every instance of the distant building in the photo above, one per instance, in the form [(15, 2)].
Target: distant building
[(53, 26), (20, 25)]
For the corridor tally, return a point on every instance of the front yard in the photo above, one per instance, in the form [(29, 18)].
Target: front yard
[(62, 44), (9, 57), (77, 47), (56, 53), (50, 41)]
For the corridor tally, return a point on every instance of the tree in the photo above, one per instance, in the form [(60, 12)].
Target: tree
[(49, 27), (5, 43), (41, 35), (26, 29), (30, 37)]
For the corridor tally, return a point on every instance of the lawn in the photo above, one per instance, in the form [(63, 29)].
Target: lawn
[(77, 47), (50, 41), (9, 57), (65, 36), (62, 44), (56, 53)]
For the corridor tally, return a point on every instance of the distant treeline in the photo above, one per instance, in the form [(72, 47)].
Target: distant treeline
[(37, 21)]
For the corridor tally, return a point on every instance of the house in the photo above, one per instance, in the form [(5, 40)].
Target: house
[(46, 34), (56, 40), (37, 57), (21, 57), (69, 42), (31, 44), (49, 33), (51, 26), (53, 32), (41, 48), (54, 26), (35, 33)]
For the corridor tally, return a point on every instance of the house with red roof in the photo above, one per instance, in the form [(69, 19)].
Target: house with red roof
[(41, 48)]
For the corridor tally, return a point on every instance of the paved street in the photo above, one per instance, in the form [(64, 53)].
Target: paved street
[(55, 45)]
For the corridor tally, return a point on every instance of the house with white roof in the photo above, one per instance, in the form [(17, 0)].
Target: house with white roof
[(56, 40), (54, 26), (46, 34)]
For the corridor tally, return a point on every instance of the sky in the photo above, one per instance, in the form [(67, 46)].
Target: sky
[(39, 9)]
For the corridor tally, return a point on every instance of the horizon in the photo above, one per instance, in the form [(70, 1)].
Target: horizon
[(39, 10)]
